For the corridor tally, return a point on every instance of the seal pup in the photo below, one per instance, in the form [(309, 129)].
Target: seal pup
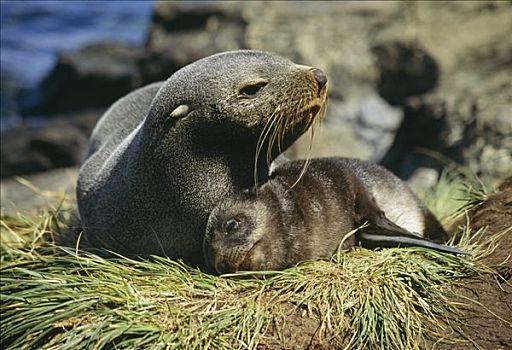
[(277, 225), (161, 157)]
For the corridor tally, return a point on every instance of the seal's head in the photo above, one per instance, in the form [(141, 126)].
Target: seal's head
[(251, 99), (236, 237)]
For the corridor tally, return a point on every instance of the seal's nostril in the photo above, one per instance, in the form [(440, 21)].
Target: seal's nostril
[(320, 77)]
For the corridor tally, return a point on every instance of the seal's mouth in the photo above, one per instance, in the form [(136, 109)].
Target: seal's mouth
[(312, 114), (311, 119)]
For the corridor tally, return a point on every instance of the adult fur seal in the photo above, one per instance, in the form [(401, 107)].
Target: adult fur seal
[(161, 157), (277, 225)]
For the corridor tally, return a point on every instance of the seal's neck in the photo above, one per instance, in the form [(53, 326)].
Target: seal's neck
[(197, 165)]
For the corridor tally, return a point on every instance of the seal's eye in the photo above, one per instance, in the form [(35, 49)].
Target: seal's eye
[(250, 90), (231, 225)]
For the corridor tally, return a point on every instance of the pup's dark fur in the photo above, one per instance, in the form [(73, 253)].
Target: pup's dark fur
[(275, 226)]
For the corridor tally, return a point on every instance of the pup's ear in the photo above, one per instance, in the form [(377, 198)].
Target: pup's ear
[(180, 112)]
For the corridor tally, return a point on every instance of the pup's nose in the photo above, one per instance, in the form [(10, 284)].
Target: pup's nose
[(225, 267), (320, 78)]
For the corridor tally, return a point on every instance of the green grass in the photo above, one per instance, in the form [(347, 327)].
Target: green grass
[(54, 297)]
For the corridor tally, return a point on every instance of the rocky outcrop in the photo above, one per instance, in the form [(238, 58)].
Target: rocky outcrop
[(37, 192), (406, 79), (94, 76), (446, 66), (60, 143), (183, 32)]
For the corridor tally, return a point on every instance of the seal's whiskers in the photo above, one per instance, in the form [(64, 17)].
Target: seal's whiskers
[(267, 128), (308, 156), (316, 121)]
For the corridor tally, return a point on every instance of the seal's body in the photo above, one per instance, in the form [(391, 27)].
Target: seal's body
[(277, 225), (161, 157)]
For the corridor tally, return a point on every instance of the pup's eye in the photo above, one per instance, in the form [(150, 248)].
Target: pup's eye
[(231, 225), (251, 90)]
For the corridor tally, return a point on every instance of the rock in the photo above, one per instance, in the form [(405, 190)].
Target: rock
[(183, 32), (421, 130), (58, 144), (445, 67), (9, 93), (62, 145), (94, 76), (377, 124), (376, 113), (39, 191), (405, 70), (454, 56), (330, 141), (423, 179)]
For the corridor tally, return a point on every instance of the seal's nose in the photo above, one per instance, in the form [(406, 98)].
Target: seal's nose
[(320, 78)]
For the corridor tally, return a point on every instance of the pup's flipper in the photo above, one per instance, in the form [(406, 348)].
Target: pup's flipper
[(381, 232), (371, 240)]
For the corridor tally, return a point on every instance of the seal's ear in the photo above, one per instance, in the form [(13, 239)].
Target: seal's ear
[(167, 122), (180, 112)]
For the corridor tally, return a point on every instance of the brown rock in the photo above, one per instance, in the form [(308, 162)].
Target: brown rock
[(94, 76), (183, 32), (60, 143)]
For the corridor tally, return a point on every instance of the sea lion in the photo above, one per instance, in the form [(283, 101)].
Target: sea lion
[(161, 157), (279, 224)]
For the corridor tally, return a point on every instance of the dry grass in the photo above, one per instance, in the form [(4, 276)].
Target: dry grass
[(54, 297)]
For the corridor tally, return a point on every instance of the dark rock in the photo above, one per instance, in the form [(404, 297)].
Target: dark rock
[(422, 129), (175, 17), (183, 32), (46, 191), (404, 70), (458, 53), (9, 92), (59, 144), (448, 65), (94, 76)]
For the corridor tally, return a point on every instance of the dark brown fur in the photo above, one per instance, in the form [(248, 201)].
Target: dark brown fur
[(276, 225)]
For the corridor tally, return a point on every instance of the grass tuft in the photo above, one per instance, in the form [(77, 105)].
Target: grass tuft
[(54, 297)]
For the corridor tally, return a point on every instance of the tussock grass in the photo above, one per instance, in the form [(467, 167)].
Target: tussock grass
[(457, 190), (454, 194), (54, 297)]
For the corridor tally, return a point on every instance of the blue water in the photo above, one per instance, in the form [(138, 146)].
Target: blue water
[(34, 32)]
